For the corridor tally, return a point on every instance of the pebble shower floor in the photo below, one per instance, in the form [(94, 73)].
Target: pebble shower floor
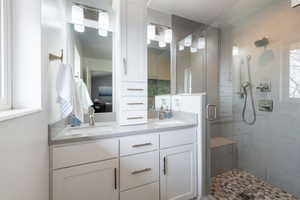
[(241, 185)]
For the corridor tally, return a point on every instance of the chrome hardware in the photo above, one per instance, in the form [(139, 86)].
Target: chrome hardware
[(125, 66), (211, 112), (141, 171), (132, 104), (141, 145), (92, 116), (53, 57), (134, 118), (135, 89), (115, 178), (165, 166)]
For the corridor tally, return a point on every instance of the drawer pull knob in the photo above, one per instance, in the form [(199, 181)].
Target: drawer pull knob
[(134, 118), (141, 145), (135, 89), (132, 104), (141, 171)]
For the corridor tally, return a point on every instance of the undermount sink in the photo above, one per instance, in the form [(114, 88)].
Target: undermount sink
[(168, 122), (85, 129)]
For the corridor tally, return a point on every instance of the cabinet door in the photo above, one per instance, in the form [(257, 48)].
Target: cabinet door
[(178, 173), (97, 181), (134, 40)]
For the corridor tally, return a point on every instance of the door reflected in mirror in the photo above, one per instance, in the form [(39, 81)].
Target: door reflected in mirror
[(91, 55), (159, 75)]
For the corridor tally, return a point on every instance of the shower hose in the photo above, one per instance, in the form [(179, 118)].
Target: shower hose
[(245, 86)]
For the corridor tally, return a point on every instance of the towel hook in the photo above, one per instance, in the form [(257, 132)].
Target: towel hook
[(53, 57)]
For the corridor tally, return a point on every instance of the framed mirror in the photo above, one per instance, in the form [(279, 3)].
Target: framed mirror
[(91, 55)]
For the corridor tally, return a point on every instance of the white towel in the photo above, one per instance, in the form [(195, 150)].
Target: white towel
[(82, 99), (65, 88)]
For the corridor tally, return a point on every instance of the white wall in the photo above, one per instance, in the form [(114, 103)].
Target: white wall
[(55, 32), (24, 141)]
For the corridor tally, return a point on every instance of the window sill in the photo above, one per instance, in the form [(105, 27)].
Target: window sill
[(16, 113)]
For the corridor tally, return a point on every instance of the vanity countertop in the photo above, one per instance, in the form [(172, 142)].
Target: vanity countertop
[(105, 130)]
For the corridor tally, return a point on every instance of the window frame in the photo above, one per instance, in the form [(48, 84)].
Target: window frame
[(285, 72), (5, 61)]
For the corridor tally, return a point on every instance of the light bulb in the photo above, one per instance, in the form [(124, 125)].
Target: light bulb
[(181, 47), (188, 41), (77, 18), (201, 43), (151, 32), (103, 24), (102, 32), (79, 28), (162, 44), (168, 35)]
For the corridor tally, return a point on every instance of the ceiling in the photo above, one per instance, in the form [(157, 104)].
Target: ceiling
[(95, 46), (213, 12)]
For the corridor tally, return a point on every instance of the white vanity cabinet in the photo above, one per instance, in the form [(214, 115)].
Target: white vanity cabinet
[(134, 40), (96, 181), (178, 173), (150, 166), (87, 170), (132, 74)]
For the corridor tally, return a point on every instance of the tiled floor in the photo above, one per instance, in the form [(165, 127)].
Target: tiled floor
[(241, 185)]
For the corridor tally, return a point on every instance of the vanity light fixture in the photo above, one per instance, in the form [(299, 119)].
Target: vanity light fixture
[(235, 51), (168, 35), (201, 43), (77, 18), (162, 44), (188, 41), (151, 32), (181, 47), (103, 24)]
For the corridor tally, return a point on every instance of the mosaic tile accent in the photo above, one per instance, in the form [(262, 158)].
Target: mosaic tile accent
[(241, 185)]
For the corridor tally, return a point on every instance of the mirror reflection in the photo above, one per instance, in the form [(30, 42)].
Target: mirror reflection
[(92, 58), (159, 61)]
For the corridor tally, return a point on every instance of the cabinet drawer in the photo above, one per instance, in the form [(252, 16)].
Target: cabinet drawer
[(138, 144), (134, 89), (178, 137), (133, 117), (139, 170), (65, 156), (147, 192), (134, 103)]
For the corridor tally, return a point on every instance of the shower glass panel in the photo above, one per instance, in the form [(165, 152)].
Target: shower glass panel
[(190, 45), (266, 152)]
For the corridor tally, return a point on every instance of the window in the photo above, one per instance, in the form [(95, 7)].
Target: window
[(294, 73), (5, 79)]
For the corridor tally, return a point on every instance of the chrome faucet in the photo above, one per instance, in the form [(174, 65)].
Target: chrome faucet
[(91, 116)]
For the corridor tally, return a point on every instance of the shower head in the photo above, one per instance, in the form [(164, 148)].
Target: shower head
[(262, 43), (295, 3)]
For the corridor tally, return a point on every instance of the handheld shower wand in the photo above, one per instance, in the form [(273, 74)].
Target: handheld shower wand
[(248, 86)]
